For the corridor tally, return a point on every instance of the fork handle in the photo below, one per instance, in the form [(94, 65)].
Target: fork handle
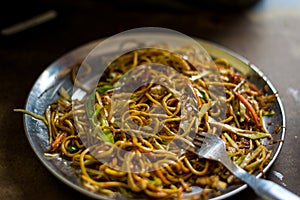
[(271, 190), (264, 188)]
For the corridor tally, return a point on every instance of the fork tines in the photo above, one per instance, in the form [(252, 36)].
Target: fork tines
[(199, 139)]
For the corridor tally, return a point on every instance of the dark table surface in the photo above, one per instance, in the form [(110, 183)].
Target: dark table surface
[(266, 33)]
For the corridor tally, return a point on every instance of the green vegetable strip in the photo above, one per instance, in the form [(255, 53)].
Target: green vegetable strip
[(104, 88), (230, 140), (39, 117)]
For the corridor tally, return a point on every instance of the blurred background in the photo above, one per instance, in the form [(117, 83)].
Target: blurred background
[(264, 31)]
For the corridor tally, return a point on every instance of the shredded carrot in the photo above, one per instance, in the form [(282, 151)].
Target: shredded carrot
[(193, 90), (58, 140), (250, 108)]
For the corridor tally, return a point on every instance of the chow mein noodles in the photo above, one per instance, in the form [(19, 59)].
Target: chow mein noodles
[(166, 171)]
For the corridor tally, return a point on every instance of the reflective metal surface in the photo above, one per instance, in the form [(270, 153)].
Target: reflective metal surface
[(45, 90)]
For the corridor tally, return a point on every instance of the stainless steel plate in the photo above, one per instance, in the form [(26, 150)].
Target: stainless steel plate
[(45, 90)]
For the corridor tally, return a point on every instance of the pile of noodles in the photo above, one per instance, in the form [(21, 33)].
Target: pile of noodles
[(166, 171)]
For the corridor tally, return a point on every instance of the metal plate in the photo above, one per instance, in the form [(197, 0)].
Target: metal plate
[(45, 90)]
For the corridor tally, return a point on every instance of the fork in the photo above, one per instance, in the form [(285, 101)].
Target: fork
[(212, 147)]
